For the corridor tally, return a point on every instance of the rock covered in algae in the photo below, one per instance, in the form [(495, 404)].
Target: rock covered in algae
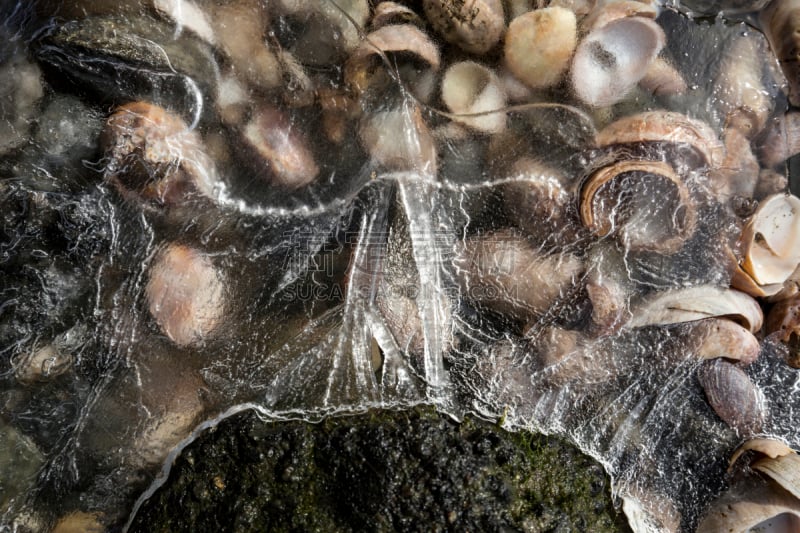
[(382, 471)]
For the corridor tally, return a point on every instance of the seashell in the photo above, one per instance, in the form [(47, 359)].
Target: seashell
[(284, 148), (186, 15), (648, 511), (731, 394), (784, 469), (664, 126), (387, 136), (567, 355), (539, 46), (610, 61), (781, 141), (618, 9), (476, 26), (325, 32), (470, 88), (185, 294), (396, 38), (740, 95), (22, 89), (299, 90), (696, 303), (765, 447), (783, 322), (233, 100), (769, 183), (123, 59), (734, 177), (152, 153), (645, 202), (387, 13), (337, 109), (79, 522), (240, 31), (662, 79), (504, 272), (43, 363), (581, 8), (719, 337), (753, 505), (779, 21), (772, 240)]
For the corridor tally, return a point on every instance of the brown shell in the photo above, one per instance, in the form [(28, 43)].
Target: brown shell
[(597, 215), (474, 26), (665, 126), (779, 21), (732, 395), (764, 447)]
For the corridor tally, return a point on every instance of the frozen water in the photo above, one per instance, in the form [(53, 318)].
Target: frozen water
[(351, 292)]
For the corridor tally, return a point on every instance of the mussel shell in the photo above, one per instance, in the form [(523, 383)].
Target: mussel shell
[(138, 58), (732, 395)]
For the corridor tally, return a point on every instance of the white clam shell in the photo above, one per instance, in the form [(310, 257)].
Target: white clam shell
[(611, 60), (772, 240), (767, 447), (540, 44), (720, 337), (470, 88), (697, 303)]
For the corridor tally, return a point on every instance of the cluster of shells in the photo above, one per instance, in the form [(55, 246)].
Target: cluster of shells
[(575, 112)]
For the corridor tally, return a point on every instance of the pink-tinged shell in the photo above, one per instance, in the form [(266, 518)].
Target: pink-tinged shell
[(504, 272), (664, 126), (611, 60), (731, 394), (719, 337), (475, 26), (152, 153), (540, 44), (185, 294), (282, 147)]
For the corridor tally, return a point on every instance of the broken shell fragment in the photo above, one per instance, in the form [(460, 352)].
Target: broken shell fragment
[(611, 60), (645, 202), (618, 9), (503, 271), (153, 153), (772, 240), (784, 469), (732, 395), (185, 294), (753, 505), (474, 26), (783, 321), (540, 44), (470, 88), (283, 147), (696, 303)]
